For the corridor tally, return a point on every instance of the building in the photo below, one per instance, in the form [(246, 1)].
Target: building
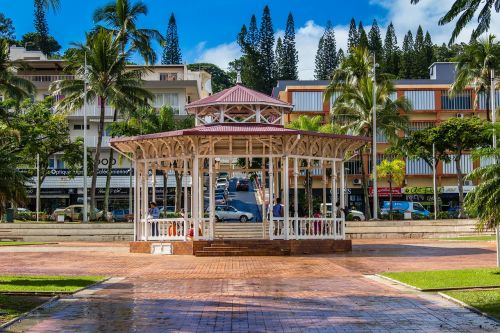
[(172, 85), (432, 104)]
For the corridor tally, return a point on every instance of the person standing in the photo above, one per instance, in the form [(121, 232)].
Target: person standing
[(154, 213)]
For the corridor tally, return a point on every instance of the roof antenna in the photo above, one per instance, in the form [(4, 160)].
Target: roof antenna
[(238, 77)]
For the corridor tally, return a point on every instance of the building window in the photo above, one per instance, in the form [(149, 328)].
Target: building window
[(421, 99), (60, 164), (484, 100), (417, 167), (461, 101), (449, 168), (420, 125), (168, 77), (171, 99), (79, 127), (307, 101), (52, 163), (353, 166)]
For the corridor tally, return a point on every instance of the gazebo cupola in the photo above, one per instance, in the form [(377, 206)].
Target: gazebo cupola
[(239, 104)]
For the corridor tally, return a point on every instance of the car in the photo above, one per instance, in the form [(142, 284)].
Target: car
[(243, 185), (222, 181), (119, 215), (224, 175), (402, 207), (74, 213), (220, 200), (354, 215), (231, 213)]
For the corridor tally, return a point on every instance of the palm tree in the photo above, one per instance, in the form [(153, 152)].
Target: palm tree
[(353, 107), (108, 81), (394, 173), (147, 121), (466, 11), (121, 17), (12, 86), (474, 68)]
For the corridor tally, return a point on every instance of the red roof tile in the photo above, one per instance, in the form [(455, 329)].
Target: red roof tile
[(238, 95)]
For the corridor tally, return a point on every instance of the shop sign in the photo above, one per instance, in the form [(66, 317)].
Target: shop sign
[(420, 190), (454, 189), (385, 192)]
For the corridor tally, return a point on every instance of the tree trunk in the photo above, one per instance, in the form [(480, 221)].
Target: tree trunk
[(364, 180), (108, 173), (461, 213), (178, 191), (97, 155)]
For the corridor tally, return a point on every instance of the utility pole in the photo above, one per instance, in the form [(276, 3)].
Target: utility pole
[(494, 120), (374, 145), (85, 199), (38, 187)]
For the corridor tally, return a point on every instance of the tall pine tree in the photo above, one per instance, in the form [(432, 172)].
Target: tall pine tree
[(280, 55), (253, 33), (290, 56), (41, 26), (406, 67), (353, 38), (319, 70), (363, 38), (420, 60), (390, 64), (428, 49), (326, 60), (248, 63), (266, 52), (340, 56), (171, 51), (375, 42)]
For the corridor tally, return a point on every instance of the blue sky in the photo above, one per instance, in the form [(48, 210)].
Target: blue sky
[(207, 29)]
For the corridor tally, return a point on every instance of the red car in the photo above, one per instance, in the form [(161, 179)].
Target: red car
[(243, 185)]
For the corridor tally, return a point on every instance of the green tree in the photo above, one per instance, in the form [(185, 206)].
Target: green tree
[(474, 68), (456, 136), (375, 42), (248, 63), (353, 37), (340, 57), (252, 37), (266, 59), (7, 30), (466, 11), (121, 17), (12, 86), (484, 200), (312, 124), (363, 38), (445, 53), (353, 107), (147, 121), (109, 82), (41, 26), (33, 40), (420, 61), (394, 173), (280, 55), (290, 58), (390, 63), (327, 57), (220, 78), (407, 65), (171, 51)]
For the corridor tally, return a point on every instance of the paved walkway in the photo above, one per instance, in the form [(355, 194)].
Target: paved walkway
[(250, 294)]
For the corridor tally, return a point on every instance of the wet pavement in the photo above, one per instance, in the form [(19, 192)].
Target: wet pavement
[(251, 294)]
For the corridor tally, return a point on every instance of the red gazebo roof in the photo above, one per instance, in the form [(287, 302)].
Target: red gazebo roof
[(238, 94)]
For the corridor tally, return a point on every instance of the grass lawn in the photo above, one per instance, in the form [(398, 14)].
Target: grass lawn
[(14, 306), (483, 277), (55, 284), (472, 238), (487, 301), (10, 243)]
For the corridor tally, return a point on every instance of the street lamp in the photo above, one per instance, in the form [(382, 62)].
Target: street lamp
[(374, 145), (85, 199), (494, 120)]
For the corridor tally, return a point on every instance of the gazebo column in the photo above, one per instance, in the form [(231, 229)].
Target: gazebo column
[(211, 197), (286, 197), (325, 184), (195, 205), (153, 181), (334, 189), (137, 210), (296, 195), (342, 197), (271, 195), (145, 198), (184, 178)]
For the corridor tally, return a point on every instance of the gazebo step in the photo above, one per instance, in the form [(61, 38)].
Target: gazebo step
[(227, 253), (223, 248)]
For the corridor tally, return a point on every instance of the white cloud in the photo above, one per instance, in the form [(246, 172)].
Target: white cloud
[(402, 13), (219, 55)]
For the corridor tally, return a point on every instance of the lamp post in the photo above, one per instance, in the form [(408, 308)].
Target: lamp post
[(374, 145), (493, 120), (434, 180), (85, 199), (38, 187)]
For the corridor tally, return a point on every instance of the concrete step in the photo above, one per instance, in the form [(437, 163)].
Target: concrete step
[(224, 248)]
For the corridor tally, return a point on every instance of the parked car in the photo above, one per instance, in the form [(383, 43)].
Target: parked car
[(74, 213), (119, 215), (243, 185), (231, 213), (354, 215), (402, 207), (220, 191), (224, 175), (222, 182), (220, 200)]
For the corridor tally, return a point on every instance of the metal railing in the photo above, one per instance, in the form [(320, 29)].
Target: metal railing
[(46, 78), (308, 228)]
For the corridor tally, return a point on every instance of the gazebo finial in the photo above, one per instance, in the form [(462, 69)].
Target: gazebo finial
[(238, 77)]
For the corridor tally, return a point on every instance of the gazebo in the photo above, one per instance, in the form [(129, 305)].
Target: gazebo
[(239, 123)]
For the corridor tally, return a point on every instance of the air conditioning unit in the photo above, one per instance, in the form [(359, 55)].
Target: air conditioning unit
[(468, 183), (356, 181), (460, 115)]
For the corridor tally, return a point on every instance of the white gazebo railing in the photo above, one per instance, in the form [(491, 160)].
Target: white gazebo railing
[(164, 229), (308, 228)]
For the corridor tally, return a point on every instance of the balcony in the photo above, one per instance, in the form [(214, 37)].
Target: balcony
[(93, 111), (46, 78), (92, 140)]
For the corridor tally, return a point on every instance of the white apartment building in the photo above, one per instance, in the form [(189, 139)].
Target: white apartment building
[(172, 85)]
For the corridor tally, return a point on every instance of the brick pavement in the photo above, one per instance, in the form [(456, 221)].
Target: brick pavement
[(250, 294)]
